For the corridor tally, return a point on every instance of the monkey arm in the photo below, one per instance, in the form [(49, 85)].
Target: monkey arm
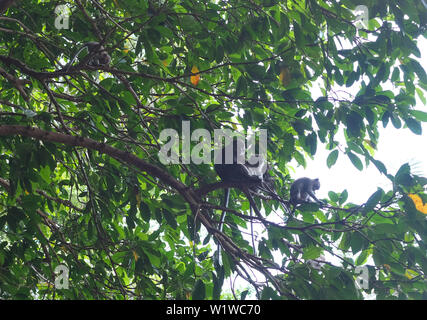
[(313, 196)]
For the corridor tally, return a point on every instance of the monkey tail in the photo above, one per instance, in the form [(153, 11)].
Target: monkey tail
[(221, 222), (252, 230), (75, 56), (226, 199)]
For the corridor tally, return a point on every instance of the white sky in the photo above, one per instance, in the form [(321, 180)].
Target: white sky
[(395, 147)]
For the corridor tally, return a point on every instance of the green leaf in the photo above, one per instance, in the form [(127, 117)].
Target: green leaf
[(419, 70), (355, 160), (395, 75), (45, 173), (312, 252), (356, 242), (332, 158), (244, 294), (386, 118), (354, 124), (362, 258), (170, 218), (403, 170), (396, 121), (380, 166), (343, 197), (414, 126), (199, 291), (403, 175), (345, 242), (373, 200), (311, 142), (385, 228), (419, 115), (268, 293), (333, 196), (144, 211)]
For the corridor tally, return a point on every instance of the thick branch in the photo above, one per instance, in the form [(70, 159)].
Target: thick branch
[(9, 130)]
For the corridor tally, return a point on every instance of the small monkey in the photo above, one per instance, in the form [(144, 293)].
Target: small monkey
[(99, 56), (303, 189)]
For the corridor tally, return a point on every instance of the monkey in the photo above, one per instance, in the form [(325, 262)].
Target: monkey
[(238, 171), (235, 171), (303, 189), (254, 171), (98, 55)]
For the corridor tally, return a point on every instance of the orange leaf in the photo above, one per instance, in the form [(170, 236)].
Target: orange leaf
[(135, 255), (418, 202), (196, 78)]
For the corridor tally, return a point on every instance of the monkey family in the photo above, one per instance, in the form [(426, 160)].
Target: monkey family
[(302, 190), (255, 177)]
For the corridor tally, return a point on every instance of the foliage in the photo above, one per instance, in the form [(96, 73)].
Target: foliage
[(81, 184)]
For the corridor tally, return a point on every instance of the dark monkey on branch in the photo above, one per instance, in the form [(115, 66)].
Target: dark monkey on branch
[(231, 166)]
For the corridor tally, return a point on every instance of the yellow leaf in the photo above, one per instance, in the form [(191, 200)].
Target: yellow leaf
[(418, 202), (372, 144), (285, 76), (410, 274), (196, 78), (135, 255)]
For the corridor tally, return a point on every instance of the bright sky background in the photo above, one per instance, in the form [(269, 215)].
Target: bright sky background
[(395, 147)]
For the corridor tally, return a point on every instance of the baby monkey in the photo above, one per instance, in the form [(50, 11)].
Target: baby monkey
[(303, 189), (98, 55)]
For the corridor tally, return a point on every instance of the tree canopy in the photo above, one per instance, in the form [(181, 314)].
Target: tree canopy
[(82, 186)]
